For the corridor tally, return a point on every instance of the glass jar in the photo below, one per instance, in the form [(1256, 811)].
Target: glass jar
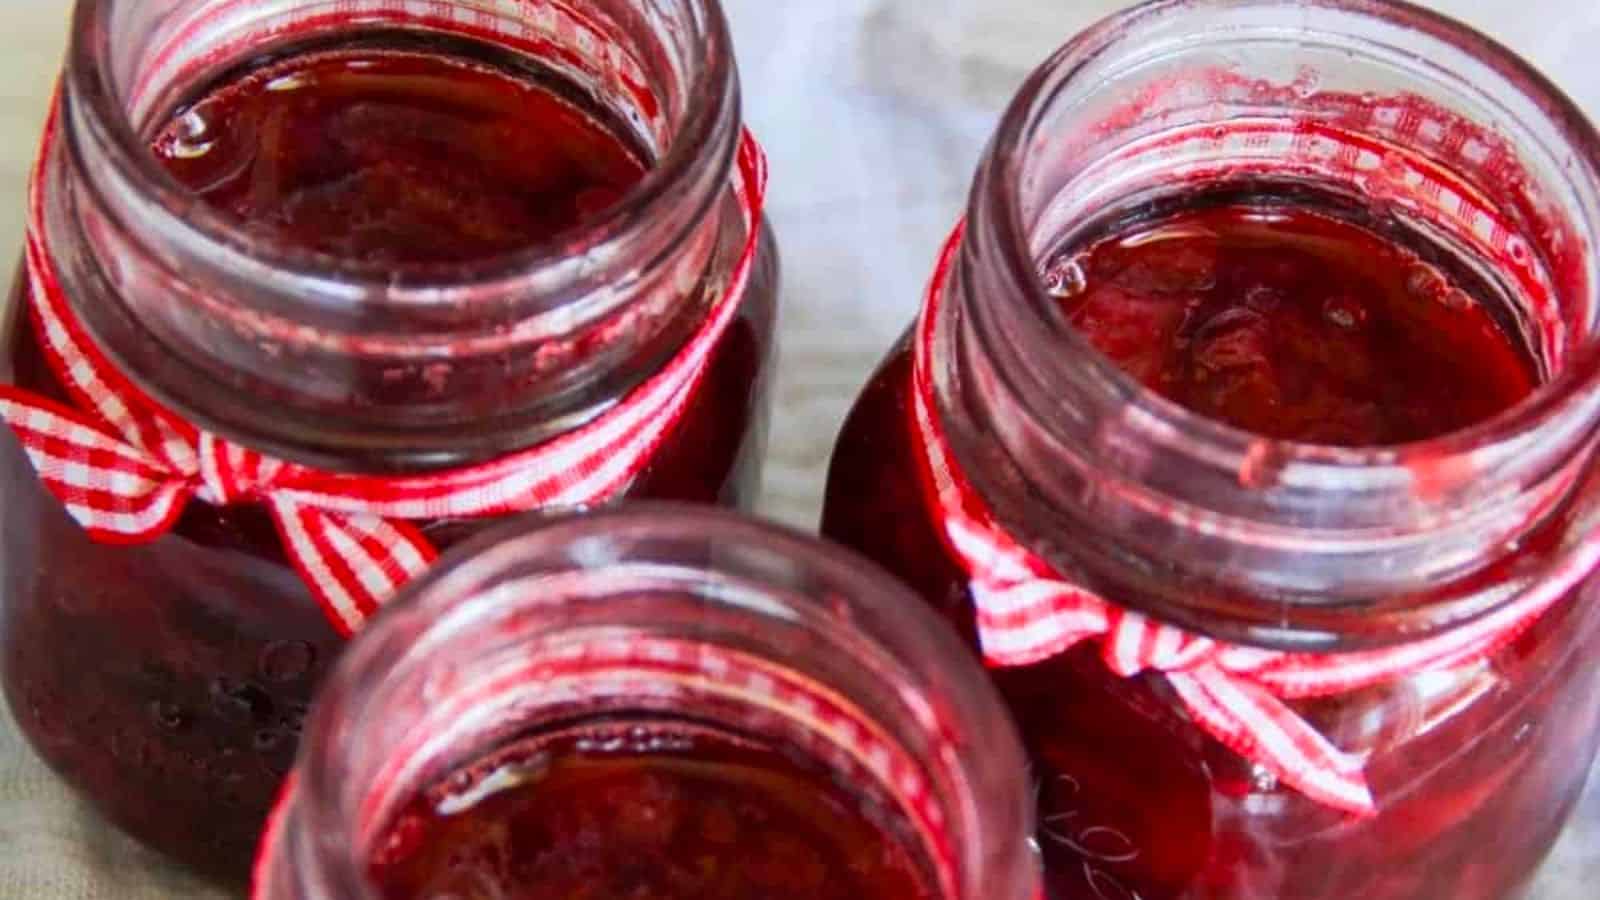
[(1311, 556), (166, 674), (644, 622)]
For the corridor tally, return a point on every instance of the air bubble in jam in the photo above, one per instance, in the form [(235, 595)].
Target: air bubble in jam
[(1065, 279), (1345, 311), (660, 812), (189, 138), (1296, 325)]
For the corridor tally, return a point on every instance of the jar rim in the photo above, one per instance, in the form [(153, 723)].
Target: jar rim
[(711, 121), (209, 321), (1238, 536), (995, 204), (853, 615)]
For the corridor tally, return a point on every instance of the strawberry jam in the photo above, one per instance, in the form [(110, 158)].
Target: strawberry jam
[(397, 157), (1301, 324), (684, 814), (1294, 325), (168, 680)]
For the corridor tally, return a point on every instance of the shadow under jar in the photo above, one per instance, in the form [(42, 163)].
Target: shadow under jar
[(655, 701), (380, 244), (1272, 325)]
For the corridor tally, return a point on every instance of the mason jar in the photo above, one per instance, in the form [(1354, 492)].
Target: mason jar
[(658, 700), (1249, 663), (312, 293)]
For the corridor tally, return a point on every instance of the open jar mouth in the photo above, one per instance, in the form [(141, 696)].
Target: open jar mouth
[(420, 366), (661, 610), (1466, 73), (679, 96), (1243, 537)]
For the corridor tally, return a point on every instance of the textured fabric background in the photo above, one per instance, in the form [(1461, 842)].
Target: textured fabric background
[(874, 112)]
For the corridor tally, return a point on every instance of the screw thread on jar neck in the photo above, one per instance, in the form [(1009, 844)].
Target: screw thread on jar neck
[(1225, 532), (219, 321), (665, 611)]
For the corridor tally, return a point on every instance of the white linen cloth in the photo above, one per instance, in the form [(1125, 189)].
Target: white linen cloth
[(874, 113)]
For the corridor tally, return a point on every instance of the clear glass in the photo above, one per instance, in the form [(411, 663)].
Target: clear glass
[(829, 630), (168, 680), (1257, 542)]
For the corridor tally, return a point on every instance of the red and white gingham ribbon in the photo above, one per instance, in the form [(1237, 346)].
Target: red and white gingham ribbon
[(125, 467), (1028, 611)]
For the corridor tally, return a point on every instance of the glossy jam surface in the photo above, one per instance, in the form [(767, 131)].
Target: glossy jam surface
[(1307, 328), (167, 681), (397, 157), (600, 816), (1294, 325)]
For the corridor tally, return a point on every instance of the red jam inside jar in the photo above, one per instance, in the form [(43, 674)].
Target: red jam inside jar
[(168, 681), (1293, 325), (642, 811), (390, 156)]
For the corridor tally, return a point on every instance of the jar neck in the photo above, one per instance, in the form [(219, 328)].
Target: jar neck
[(664, 612), (367, 366), (1224, 532)]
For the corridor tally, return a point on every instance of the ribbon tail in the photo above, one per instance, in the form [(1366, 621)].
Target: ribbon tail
[(1253, 723), (353, 563), (116, 491)]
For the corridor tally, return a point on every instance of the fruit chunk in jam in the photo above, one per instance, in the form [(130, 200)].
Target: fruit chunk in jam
[(1293, 325), (167, 681), (1301, 325), (635, 811)]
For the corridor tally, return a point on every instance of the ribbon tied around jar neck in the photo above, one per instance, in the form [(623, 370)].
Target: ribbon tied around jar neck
[(1027, 612), (125, 467)]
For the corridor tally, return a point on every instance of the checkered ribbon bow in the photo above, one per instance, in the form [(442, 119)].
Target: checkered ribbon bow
[(125, 467), (1027, 612)]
